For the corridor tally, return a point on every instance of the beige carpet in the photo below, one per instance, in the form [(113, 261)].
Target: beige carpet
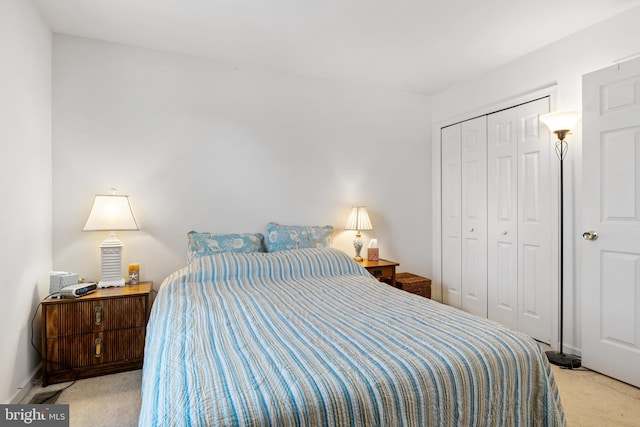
[(589, 399), (110, 400)]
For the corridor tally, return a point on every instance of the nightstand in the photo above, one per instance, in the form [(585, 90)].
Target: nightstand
[(97, 334), (382, 270)]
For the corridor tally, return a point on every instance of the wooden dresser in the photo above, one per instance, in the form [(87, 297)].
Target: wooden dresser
[(100, 333)]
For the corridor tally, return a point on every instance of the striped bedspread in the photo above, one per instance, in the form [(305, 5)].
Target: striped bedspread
[(308, 338)]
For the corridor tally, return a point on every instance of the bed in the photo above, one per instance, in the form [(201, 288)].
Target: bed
[(308, 338)]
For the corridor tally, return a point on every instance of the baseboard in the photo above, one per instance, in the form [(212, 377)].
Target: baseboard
[(26, 388), (567, 349)]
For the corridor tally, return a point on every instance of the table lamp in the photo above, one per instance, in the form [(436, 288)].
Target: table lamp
[(111, 213), (358, 220)]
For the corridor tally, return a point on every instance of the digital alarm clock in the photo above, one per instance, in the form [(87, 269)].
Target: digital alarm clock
[(75, 291)]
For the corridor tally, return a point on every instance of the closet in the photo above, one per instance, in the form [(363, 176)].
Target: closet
[(496, 218)]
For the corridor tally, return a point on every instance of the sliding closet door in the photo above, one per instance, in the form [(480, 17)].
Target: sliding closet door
[(534, 222), (474, 216), (451, 217), (519, 220), (502, 236)]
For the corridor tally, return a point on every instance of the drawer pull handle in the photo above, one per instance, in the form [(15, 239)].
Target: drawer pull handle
[(98, 315), (98, 348)]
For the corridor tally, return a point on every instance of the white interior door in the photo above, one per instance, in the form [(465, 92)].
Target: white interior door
[(534, 222), (502, 130), (611, 182), (474, 215), (451, 216)]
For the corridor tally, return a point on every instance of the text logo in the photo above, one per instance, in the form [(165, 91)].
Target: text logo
[(34, 415)]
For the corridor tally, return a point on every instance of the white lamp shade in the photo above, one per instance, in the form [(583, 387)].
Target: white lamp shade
[(358, 219), (111, 213), (562, 120)]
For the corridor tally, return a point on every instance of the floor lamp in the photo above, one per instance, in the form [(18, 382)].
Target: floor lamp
[(561, 123)]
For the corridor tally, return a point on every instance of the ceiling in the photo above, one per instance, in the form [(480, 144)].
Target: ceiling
[(420, 46)]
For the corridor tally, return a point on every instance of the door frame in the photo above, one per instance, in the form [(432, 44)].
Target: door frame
[(570, 255)]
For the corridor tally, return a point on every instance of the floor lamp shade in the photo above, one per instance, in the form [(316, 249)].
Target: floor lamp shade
[(561, 120), (111, 213)]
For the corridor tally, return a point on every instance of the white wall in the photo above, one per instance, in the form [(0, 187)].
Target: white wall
[(562, 63), (25, 180), (211, 146)]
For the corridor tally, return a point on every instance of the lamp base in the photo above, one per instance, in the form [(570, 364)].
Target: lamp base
[(569, 361), (357, 244), (111, 260)]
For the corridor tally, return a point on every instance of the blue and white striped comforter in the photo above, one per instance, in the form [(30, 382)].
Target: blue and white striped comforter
[(309, 338)]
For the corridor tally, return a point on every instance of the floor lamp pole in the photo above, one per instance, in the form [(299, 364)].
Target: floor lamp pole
[(561, 253), (558, 357)]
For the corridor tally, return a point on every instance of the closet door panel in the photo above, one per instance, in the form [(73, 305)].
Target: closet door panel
[(503, 293), (451, 216), (474, 216), (502, 197), (534, 224)]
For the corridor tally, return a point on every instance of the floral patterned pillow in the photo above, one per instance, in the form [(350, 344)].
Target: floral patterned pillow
[(202, 244), (283, 237)]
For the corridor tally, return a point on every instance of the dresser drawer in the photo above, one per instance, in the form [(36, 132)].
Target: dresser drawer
[(82, 350), (382, 272), (64, 318)]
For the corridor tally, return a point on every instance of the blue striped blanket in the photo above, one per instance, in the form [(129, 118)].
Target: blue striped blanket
[(308, 338)]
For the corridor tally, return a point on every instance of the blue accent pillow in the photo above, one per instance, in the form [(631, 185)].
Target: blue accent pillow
[(202, 244), (284, 237)]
